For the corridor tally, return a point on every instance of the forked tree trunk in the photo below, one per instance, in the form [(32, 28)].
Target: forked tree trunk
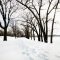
[(5, 34)]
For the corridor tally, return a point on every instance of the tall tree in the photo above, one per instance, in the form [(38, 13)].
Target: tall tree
[(6, 12), (53, 22)]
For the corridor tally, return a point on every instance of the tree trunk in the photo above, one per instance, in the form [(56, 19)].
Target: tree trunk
[(39, 34), (51, 37), (41, 37), (15, 36), (52, 31), (38, 37), (53, 23), (45, 39), (5, 34), (33, 35)]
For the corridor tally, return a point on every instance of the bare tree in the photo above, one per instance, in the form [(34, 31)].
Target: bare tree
[(53, 22), (30, 24), (12, 24), (6, 10), (26, 25)]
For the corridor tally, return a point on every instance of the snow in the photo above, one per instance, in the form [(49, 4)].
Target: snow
[(27, 49)]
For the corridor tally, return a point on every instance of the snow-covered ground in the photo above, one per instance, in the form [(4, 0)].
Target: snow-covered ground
[(24, 49)]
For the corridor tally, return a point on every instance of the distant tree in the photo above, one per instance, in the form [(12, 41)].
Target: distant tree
[(15, 29), (26, 25), (1, 32), (28, 19), (10, 33), (33, 35), (27, 31)]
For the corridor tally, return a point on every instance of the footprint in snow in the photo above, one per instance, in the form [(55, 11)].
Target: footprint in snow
[(26, 47), (43, 56), (42, 49), (30, 58), (23, 53), (26, 53), (27, 50), (33, 50), (46, 52)]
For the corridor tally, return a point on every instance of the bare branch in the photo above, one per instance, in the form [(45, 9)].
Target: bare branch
[(1, 26)]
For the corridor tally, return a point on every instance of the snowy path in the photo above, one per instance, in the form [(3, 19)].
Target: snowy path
[(23, 49)]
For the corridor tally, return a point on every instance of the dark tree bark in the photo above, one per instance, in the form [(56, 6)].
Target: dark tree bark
[(5, 34), (45, 39), (41, 37), (38, 37), (33, 35)]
